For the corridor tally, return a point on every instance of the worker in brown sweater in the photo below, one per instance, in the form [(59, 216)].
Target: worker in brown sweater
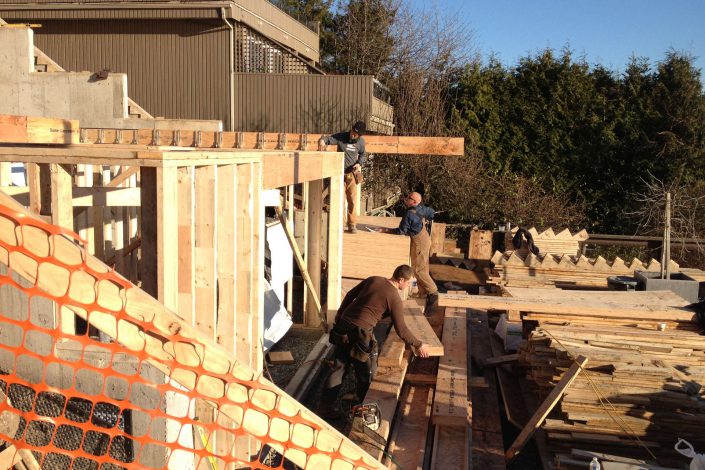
[(362, 308)]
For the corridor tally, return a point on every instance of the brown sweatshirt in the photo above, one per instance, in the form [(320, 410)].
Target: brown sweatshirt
[(370, 301)]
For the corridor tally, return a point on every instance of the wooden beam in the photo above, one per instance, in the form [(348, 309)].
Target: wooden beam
[(230, 383), (418, 323), (285, 168), (450, 403), (448, 146), (37, 130), (314, 204), (663, 305), (546, 407), (335, 245)]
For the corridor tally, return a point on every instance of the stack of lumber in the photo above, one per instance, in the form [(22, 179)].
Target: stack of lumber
[(549, 241), (641, 388), (367, 253), (515, 269), (649, 309)]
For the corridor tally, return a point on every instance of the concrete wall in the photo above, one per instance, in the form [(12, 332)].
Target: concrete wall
[(68, 95)]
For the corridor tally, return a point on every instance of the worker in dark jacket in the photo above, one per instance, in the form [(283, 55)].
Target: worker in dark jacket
[(362, 308), (413, 224), (352, 144)]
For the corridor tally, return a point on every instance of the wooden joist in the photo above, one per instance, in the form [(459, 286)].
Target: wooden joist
[(37, 130)]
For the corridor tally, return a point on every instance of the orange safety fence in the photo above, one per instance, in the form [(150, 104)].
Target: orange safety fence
[(127, 384)]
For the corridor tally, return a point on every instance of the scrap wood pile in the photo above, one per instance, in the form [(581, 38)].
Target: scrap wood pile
[(641, 391), (526, 269)]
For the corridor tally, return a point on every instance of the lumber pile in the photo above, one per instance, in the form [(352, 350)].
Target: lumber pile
[(528, 270), (642, 388), (644, 308), (549, 241)]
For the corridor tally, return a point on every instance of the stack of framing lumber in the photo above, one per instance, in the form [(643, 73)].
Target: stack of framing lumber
[(642, 308), (526, 270), (642, 388), (549, 241)]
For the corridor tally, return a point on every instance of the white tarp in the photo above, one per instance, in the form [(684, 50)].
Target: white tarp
[(277, 320)]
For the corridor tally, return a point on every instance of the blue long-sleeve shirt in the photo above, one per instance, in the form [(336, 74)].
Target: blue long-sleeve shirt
[(411, 223)]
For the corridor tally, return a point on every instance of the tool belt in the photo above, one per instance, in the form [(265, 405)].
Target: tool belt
[(360, 341)]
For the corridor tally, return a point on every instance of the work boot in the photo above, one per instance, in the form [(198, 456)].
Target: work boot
[(431, 304), (352, 229)]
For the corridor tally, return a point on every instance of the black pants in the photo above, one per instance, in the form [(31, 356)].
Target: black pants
[(361, 343)]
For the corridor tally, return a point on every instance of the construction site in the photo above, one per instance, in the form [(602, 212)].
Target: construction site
[(168, 284)]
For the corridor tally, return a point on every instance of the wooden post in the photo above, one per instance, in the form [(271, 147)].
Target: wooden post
[(62, 215), (5, 173), (159, 239), (335, 246), (186, 235), (257, 307), (290, 218), (313, 248)]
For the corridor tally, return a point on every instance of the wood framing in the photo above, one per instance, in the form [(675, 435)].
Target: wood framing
[(174, 348)]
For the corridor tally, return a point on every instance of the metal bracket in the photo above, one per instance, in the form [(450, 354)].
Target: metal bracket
[(260, 140), (176, 140), (118, 136), (219, 139), (155, 137), (198, 139), (304, 141), (281, 145)]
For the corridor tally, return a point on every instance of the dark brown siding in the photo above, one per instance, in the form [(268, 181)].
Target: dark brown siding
[(175, 69), (300, 103)]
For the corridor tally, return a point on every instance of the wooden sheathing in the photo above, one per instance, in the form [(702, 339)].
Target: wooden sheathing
[(529, 270), (548, 241), (367, 253)]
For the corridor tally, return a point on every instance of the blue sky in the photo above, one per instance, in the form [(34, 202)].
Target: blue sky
[(604, 32)]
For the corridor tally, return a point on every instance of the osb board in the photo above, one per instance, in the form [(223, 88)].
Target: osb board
[(368, 254)]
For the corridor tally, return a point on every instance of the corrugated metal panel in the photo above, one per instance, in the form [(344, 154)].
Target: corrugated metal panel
[(176, 69), (301, 103), (106, 13)]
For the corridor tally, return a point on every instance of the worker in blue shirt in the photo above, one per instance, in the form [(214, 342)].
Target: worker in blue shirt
[(352, 144), (413, 224)]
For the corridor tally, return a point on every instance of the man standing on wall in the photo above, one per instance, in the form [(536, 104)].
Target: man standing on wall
[(353, 145), (362, 308), (413, 224)]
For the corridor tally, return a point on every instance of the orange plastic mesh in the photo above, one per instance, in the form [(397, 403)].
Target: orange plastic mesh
[(124, 393)]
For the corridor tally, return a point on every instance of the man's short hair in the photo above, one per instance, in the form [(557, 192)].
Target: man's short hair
[(359, 127), (404, 272)]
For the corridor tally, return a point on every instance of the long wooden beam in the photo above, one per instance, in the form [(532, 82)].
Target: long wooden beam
[(451, 146), (173, 346), (21, 129)]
